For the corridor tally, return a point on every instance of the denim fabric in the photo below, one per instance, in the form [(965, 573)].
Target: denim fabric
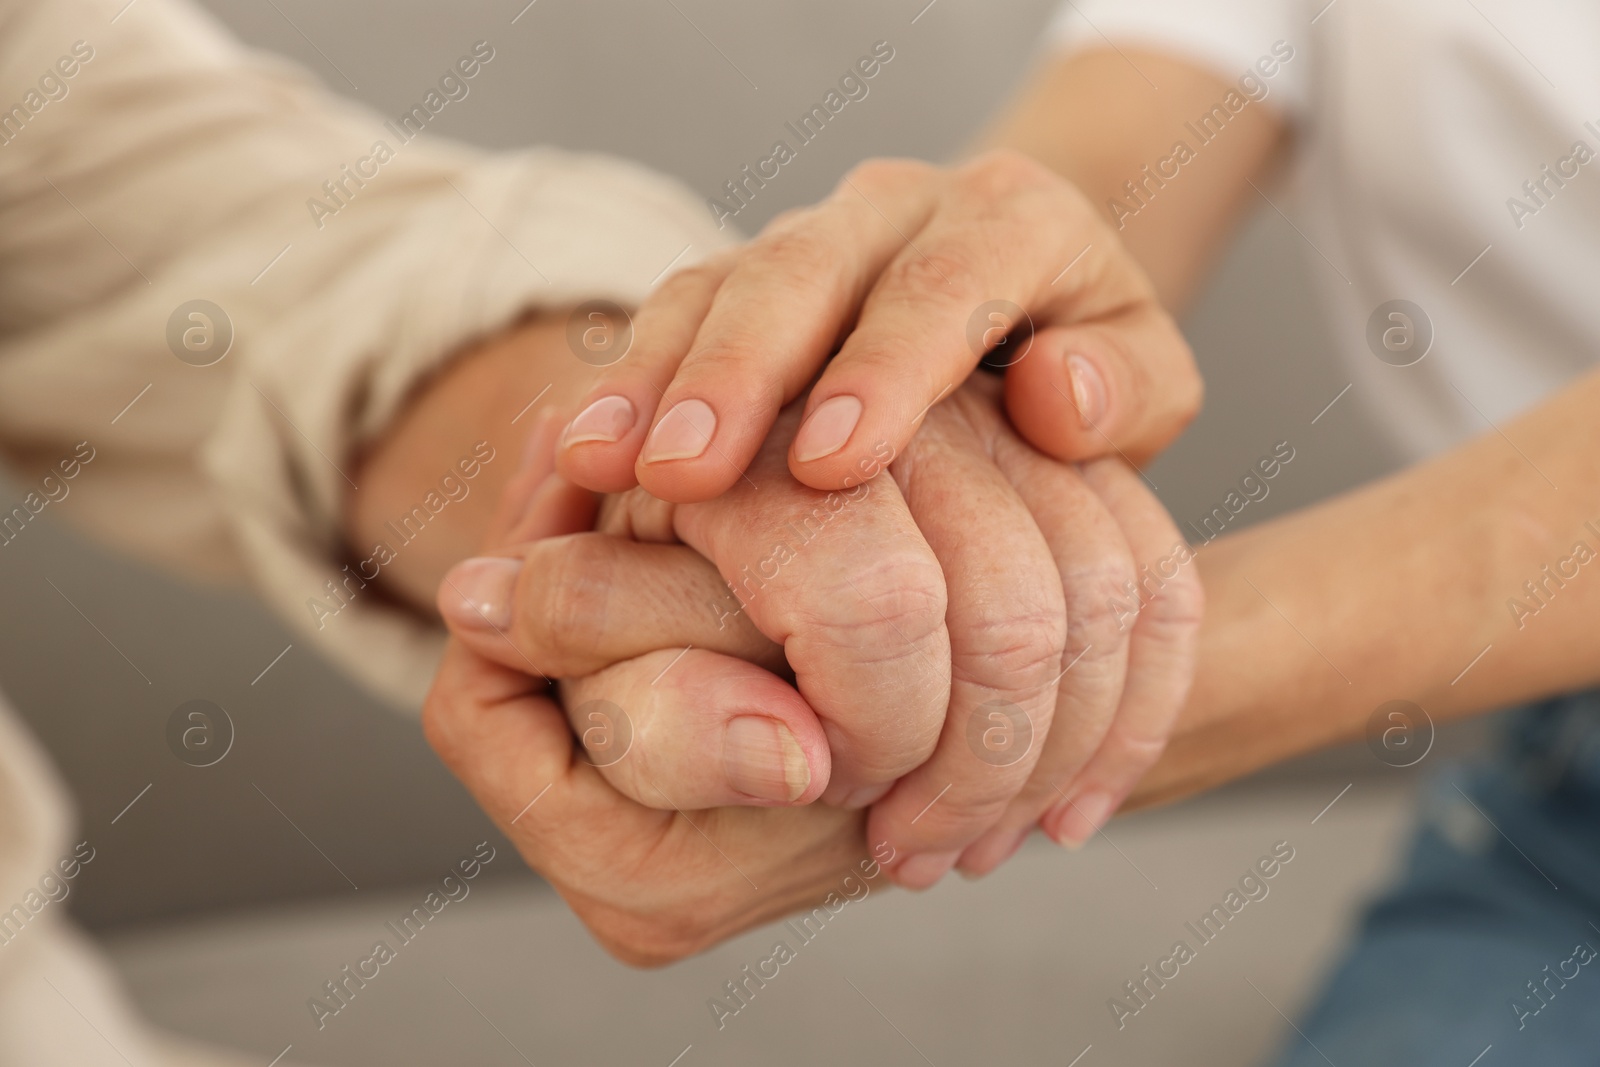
[(1492, 935)]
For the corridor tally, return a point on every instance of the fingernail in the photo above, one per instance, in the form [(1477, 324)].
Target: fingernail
[(828, 428), (608, 419), (477, 593), (924, 871), (1075, 821), (683, 433), (1088, 389), (762, 759)]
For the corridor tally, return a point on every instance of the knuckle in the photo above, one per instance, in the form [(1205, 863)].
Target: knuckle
[(1178, 605), (730, 349), (564, 597), (1134, 749), (788, 217), (1016, 652), (899, 599), (935, 276), (731, 364), (1102, 601), (798, 251), (979, 805), (1005, 172), (692, 279), (983, 801), (886, 758), (877, 356), (889, 174)]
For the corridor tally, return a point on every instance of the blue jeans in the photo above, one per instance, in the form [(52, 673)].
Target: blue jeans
[(1492, 934)]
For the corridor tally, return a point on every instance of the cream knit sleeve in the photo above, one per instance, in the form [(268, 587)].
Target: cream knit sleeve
[(218, 280)]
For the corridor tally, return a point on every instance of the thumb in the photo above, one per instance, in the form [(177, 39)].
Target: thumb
[(1125, 385), (566, 607), (691, 729)]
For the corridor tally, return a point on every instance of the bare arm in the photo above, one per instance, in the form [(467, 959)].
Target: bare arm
[(1390, 592), (1098, 118), (1092, 117)]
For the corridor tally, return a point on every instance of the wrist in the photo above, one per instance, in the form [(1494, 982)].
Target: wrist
[(429, 486), (1316, 619)]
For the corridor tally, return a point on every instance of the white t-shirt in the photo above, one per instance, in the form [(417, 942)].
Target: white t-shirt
[(1447, 154)]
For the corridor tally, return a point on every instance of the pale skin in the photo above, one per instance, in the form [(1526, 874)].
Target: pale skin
[(977, 230), (1005, 644), (1092, 119), (1394, 589), (1016, 537), (1399, 584), (609, 840), (1093, 544)]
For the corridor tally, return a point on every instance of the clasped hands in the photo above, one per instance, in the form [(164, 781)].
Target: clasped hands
[(886, 620)]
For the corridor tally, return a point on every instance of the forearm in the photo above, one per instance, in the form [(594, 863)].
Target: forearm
[(1095, 119), (491, 394), (1392, 592)]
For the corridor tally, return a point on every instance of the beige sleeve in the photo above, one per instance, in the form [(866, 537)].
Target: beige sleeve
[(171, 166)]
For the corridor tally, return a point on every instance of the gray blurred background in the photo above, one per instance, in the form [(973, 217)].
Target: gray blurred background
[(638, 78)]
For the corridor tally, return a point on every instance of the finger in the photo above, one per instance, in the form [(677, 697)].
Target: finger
[(598, 447), (848, 585), (554, 508), (1125, 385), (980, 268), (775, 320), (513, 510), (652, 886), (1096, 566), (1164, 616), (688, 729), (566, 607), (513, 749), (1008, 627)]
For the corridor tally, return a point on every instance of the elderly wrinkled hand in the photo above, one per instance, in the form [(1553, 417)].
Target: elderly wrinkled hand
[(936, 622)]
